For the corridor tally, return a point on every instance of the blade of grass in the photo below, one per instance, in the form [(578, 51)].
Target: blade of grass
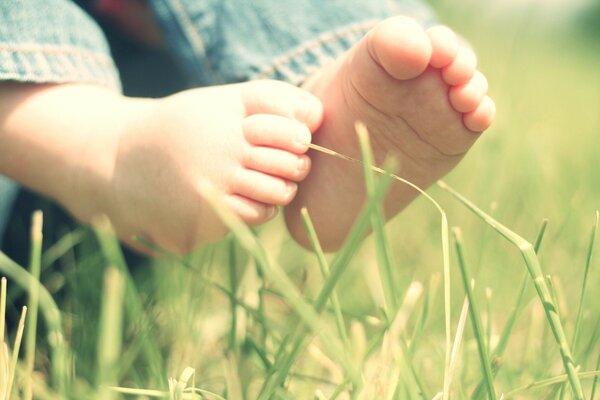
[(2, 308), (398, 349), (325, 270), (260, 309), (595, 383), (535, 270), (584, 285), (339, 264), (551, 381), (161, 394), (445, 253), (488, 320), (588, 261), (61, 247), (35, 261), (4, 371), (187, 374), (15, 354), (424, 314), (498, 352), (460, 330), (309, 315), (475, 317), (4, 365), (233, 285), (110, 336), (52, 317), (382, 244), (135, 311)]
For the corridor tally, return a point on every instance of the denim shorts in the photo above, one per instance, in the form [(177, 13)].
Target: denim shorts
[(214, 41)]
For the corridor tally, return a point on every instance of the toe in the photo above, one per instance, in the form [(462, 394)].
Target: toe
[(444, 45), (481, 118), (400, 46), (283, 99), (462, 68), (466, 98), (277, 162), (250, 211), (263, 188), (277, 132)]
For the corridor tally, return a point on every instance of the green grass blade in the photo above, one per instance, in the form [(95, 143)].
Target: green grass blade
[(595, 383), (488, 311), (2, 308), (423, 316), (187, 374), (5, 369), (445, 255), (325, 270), (382, 244), (61, 247), (16, 348), (35, 262), (309, 315), (233, 285), (584, 285), (339, 264), (52, 317), (458, 337), (551, 381), (160, 394), (498, 352), (135, 311), (111, 331), (475, 318), (588, 261), (535, 270)]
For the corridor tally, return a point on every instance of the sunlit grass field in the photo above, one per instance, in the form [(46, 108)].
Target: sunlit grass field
[(256, 317)]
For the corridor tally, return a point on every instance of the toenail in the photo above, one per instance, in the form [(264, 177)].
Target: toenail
[(271, 211), (291, 188), (302, 165), (307, 110), (303, 136)]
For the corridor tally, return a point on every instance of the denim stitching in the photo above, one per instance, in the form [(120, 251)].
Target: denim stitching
[(58, 64), (59, 50), (193, 35), (314, 47)]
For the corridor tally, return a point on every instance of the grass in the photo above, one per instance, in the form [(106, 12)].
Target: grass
[(255, 317)]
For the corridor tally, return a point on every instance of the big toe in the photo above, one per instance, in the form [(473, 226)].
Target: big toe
[(400, 46)]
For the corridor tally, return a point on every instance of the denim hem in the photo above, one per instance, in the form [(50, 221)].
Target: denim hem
[(46, 63), (301, 62)]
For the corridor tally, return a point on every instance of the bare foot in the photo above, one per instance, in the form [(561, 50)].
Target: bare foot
[(247, 140), (422, 100)]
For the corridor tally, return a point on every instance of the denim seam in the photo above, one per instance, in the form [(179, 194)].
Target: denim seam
[(192, 35), (283, 64), (59, 64), (58, 50)]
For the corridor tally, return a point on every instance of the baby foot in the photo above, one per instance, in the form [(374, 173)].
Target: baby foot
[(247, 140), (422, 100)]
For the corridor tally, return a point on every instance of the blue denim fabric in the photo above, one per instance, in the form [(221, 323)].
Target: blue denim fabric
[(52, 41), (216, 41), (224, 41)]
